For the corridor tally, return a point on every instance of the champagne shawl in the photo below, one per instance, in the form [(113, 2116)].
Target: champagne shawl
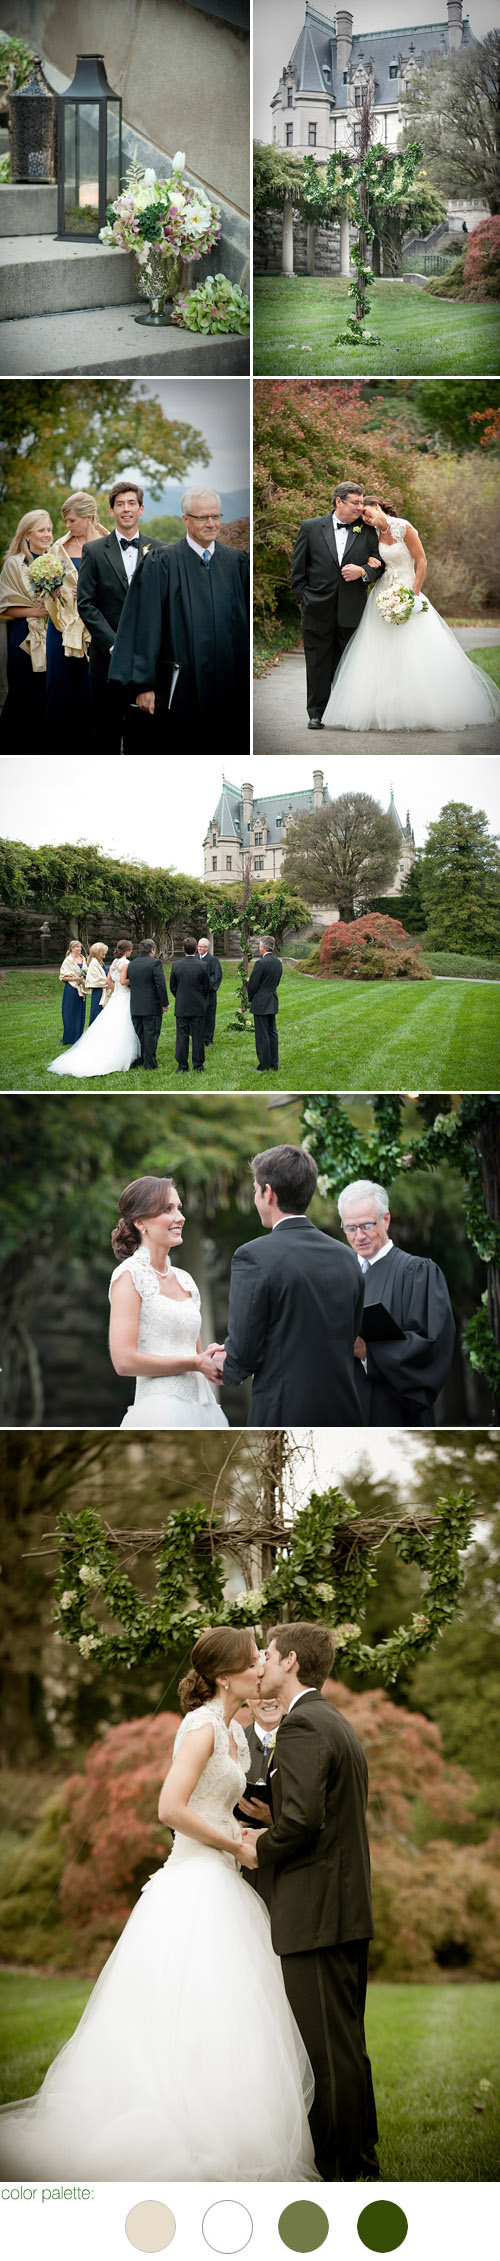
[(72, 972), (17, 589), (95, 977), (62, 608)]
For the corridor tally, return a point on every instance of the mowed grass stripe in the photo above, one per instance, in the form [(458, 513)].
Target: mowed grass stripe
[(375, 1036)]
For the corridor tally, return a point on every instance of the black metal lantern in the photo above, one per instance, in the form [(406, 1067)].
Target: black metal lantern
[(32, 128), (89, 150)]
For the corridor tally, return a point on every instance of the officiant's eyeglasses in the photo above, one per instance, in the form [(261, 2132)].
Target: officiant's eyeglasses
[(369, 1227), (205, 517)]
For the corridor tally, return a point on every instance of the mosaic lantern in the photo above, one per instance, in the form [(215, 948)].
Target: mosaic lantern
[(32, 128), (89, 157)]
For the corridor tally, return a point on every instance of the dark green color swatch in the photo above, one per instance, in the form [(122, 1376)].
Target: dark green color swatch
[(382, 2226), (303, 2226)]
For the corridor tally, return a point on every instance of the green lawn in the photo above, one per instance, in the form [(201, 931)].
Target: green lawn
[(368, 1036), (430, 2047), (378, 1036), (489, 658), (297, 322)]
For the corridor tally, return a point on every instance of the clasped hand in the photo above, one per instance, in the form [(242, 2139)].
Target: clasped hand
[(217, 1354)]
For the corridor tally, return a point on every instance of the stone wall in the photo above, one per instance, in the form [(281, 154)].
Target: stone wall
[(267, 242), (183, 75)]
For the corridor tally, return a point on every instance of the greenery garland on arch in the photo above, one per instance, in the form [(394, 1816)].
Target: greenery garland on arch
[(467, 1135), (324, 1568), (370, 186)]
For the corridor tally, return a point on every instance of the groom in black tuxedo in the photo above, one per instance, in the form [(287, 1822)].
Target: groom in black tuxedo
[(294, 1305), (321, 1913), (331, 576), (106, 573), (145, 979)]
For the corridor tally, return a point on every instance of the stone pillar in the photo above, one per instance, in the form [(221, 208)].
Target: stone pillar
[(344, 24), (287, 252), (318, 788), (345, 262), (247, 791)]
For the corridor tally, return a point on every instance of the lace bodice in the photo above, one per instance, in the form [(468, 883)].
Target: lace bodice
[(115, 971), (222, 1782), (167, 1329), (399, 563)]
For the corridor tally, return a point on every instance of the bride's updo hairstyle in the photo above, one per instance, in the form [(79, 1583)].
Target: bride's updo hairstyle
[(221, 1649), (123, 949), (145, 1197), (375, 503)]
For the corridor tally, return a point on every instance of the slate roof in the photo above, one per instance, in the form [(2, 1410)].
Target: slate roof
[(268, 808), (315, 55)]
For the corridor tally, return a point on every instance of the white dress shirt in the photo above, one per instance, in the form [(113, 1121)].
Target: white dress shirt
[(341, 533), (378, 1253), (296, 1699), (198, 546), (130, 559)]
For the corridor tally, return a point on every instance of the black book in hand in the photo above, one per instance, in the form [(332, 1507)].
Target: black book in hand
[(378, 1325)]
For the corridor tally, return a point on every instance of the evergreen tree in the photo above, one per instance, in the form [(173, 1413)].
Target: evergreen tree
[(459, 877)]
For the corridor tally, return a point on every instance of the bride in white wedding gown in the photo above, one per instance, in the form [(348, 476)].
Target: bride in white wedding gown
[(156, 1316), (187, 2065), (110, 1044), (413, 676)]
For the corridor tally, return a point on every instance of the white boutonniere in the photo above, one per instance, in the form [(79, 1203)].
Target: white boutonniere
[(356, 529), (145, 548)]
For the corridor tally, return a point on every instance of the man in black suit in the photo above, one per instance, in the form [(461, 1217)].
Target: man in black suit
[(406, 1339), (294, 1306), (190, 985), (331, 572), (321, 1913), (263, 1001), (189, 608), (105, 576), (214, 968), (145, 979)]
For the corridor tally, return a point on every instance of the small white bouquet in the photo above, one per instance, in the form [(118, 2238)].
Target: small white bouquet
[(47, 573), (396, 603)]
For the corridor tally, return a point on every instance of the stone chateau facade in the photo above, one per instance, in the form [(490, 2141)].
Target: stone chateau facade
[(322, 87), (259, 827)]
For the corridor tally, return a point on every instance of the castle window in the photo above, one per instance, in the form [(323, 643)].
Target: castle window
[(357, 97), (214, 839), (290, 97), (229, 863), (278, 824), (357, 137), (274, 130), (312, 137), (258, 840), (258, 863), (344, 75), (393, 70), (214, 863), (408, 86), (289, 137)]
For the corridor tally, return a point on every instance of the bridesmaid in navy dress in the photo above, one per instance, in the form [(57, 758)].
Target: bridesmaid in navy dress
[(68, 676), (96, 978), (22, 718), (72, 974)]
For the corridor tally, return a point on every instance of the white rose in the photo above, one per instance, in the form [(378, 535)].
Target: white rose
[(87, 1642), (67, 1599), (178, 162), (149, 177), (177, 200), (86, 1575)]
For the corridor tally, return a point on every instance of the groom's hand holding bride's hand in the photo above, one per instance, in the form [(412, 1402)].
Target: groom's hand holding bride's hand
[(211, 1363), (216, 1350), (247, 1855)]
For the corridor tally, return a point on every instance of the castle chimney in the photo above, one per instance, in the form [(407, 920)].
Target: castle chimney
[(344, 37), (247, 791), (455, 26), (318, 788)]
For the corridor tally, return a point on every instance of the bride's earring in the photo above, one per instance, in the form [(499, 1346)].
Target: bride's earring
[(226, 1683)]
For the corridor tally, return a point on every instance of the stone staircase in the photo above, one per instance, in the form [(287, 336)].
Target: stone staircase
[(68, 309)]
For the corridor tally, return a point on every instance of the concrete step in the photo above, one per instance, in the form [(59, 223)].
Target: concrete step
[(108, 342), (28, 209), (38, 275)]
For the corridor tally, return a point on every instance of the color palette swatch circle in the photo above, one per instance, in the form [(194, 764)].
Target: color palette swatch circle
[(227, 2226), (382, 2226), (303, 2226), (150, 2226)]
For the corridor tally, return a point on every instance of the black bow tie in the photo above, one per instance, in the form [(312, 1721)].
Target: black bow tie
[(132, 545)]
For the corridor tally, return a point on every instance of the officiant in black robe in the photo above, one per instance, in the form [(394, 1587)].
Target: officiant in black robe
[(188, 609), (407, 1331)]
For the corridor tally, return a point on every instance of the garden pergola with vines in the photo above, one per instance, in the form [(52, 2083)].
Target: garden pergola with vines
[(360, 189)]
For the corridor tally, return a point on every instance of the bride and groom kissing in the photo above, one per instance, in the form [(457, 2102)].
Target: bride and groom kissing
[(223, 2043), (361, 674)]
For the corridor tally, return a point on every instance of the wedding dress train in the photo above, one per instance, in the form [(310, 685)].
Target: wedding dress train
[(187, 2065), (413, 676), (168, 1329), (109, 1044)]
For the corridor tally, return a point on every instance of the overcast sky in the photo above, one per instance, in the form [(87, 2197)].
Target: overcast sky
[(155, 814), (277, 24), (219, 407)]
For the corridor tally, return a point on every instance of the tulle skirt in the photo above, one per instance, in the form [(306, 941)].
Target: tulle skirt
[(411, 677), (187, 2065), (109, 1045), (158, 1405)]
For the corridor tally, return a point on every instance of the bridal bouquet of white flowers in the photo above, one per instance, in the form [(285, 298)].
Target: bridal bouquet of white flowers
[(47, 573), (169, 217), (396, 603)]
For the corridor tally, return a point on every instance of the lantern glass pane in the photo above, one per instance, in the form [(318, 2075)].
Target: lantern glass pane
[(81, 168), (113, 182)]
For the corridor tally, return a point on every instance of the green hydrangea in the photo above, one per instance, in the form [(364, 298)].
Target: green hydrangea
[(215, 306)]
